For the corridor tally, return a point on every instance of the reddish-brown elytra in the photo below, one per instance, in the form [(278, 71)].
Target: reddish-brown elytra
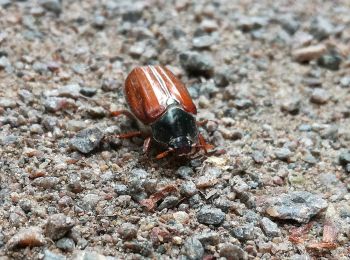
[(164, 111)]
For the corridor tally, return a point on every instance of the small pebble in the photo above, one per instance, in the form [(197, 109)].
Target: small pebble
[(309, 53), (181, 217), (208, 238), (230, 251), (127, 231), (66, 244), (345, 82), (210, 216), (49, 255), (87, 140), (7, 102), (169, 202), (296, 205), (283, 154), (269, 227), (58, 225), (184, 172), (54, 6), (193, 249), (330, 61), (321, 27), (197, 63), (188, 189), (319, 96)]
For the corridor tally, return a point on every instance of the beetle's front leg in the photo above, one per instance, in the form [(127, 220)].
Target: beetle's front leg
[(147, 145), (129, 135), (203, 144)]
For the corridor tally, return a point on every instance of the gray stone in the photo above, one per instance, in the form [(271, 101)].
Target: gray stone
[(221, 78), (4, 62), (137, 183), (195, 201), (48, 255), (269, 227), (132, 12), (5, 3), (169, 202), (297, 205), (40, 67), (244, 232), (291, 106), (88, 92), (247, 24), (90, 201), (87, 140), (70, 91), (345, 82), (26, 96), (49, 182), (127, 231), (344, 157), (184, 172), (58, 225), (36, 129), (210, 216), (54, 6), (95, 112), (188, 189), (319, 96), (243, 103), (321, 28), (234, 252), (283, 154), (99, 22), (143, 248), (7, 102), (66, 244), (193, 249), (238, 184), (49, 123), (121, 189), (202, 42), (208, 238), (79, 68), (330, 61), (258, 156), (87, 255), (289, 23), (75, 125), (197, 63)]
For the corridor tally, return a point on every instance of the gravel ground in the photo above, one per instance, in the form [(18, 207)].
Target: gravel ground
[(272, 79)]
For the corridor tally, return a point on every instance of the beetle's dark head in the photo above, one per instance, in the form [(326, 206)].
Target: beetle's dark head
[(176, 130), (181, 145)]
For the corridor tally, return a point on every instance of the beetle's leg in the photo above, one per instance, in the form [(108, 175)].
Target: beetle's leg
[(147, 145), (203, 143), (164, 154), (129, 135), (122, 112)]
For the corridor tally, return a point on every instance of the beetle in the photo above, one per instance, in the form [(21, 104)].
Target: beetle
[(164, 111)]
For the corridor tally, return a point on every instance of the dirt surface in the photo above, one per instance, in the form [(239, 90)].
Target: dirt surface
[(272, 79)]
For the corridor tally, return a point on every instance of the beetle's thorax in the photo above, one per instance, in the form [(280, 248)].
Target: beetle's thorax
[(176, 129)]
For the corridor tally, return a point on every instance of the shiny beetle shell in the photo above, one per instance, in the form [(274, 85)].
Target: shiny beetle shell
[(149, 91)]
